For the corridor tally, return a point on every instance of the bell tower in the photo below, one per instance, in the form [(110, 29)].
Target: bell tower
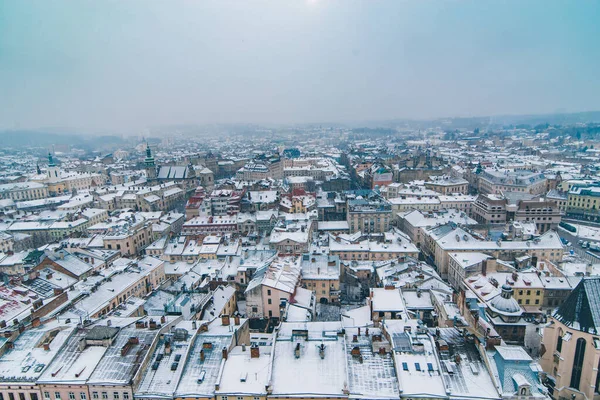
[(53, 171), (150, 165)]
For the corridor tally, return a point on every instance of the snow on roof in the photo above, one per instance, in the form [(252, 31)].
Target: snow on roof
[(118, 368), (73, 365), (297, 314), (320, 267), (243, 375), (27, 359), (333, 226), (162, 381), (387, 300), (513, 353), (375, 375), (199, 378), (309, 374)]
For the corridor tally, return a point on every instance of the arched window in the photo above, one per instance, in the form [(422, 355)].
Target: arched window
[(523, 391), (578, 363), (559, 341)]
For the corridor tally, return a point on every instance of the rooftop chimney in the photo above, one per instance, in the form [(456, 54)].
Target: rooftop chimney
[(255, 351), (225, 353), (236, 319), (202, 355), (297, 350)]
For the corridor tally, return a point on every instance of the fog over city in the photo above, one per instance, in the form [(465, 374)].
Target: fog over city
[(125, 66)]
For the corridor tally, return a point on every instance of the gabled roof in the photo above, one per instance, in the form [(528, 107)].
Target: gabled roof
[(581, 310)]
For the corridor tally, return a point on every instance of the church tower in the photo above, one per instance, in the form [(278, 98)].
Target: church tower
[(150, 166), (53, 170)]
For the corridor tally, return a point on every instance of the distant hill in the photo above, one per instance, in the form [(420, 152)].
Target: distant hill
[(39, 138)]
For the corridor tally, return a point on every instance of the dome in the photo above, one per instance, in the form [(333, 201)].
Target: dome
[(505, 302)]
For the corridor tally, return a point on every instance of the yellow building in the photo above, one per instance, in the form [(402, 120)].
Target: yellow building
[(584, 201), (321, 275)]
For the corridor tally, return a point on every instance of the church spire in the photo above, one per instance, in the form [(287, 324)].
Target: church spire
[(50, 160), (149, 159)]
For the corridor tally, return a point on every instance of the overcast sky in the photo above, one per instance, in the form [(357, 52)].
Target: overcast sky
[(127, 65)]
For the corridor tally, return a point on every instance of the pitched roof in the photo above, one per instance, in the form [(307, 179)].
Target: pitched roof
[(581, 310)]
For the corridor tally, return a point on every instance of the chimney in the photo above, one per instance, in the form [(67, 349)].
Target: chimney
[(297, 350), (225, 319), (243, 346), (46, 346), (225, 353), (109, 323), (236, 319), (382, 351), (163, 319), (194, 326), (254, 351), (359, 331), (322, 351), (168, 348), (21, 328), (366, 331), (354, 338), (10, 345), (202, 355)]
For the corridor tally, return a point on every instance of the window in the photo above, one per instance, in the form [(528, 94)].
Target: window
[(33, 396), (21, 396), (116, 395), (268, 294), (105, 395), (11, 396), (83, 396), (71, 396), (95, 395), (268, 301), (46, 395), (125, 395), (578, 363), (57, 395)]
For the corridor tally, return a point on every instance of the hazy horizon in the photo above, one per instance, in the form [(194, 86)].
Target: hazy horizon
[(125, 66)]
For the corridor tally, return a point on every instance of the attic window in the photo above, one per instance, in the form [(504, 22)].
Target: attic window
[(417, 366), (405, 366), (567, 336)]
